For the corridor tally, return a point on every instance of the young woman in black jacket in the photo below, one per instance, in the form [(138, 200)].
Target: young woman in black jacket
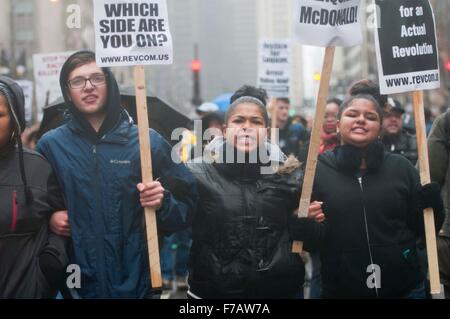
[(244, 224), (32, 259), (373, 203)]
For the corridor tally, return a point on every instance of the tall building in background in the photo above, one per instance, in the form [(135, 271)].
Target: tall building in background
[(29, 26), (359, 62), (227, 34), (275, 20)]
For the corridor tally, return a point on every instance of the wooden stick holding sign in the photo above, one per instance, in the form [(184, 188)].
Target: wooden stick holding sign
[(274, 111), (147, 174), (430, 233), (314, 144)]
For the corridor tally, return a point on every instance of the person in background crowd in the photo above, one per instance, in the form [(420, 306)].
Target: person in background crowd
[(292, 136), (244, 225), (32, 259), (439, 157), (394, 137), (206, 108), (371, 225), (329, 138), (96, 159)]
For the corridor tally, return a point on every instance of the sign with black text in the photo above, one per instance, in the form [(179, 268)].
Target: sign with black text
[(407, 53), (326, 23), (274, 67), (132, 32)]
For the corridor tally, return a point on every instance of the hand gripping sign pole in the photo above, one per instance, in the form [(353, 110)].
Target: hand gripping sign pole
[(430, 233), (313, 153), (147, 174)]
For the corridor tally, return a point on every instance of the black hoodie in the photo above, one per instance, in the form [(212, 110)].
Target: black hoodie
[(113, 106), (29, 194), (372, 219)]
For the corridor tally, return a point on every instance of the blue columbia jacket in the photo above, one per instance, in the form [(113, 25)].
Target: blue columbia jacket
[(105, 215)]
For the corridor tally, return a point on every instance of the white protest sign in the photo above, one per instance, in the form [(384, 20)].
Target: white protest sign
[(274, 67), (407, 53), (47, 68), (326, 23), (132, 32), (27, 87)]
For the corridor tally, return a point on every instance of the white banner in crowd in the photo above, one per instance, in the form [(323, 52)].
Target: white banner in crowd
[(47, 68), (27, 87), (405, 42), (326, 23), (132, 32), (274, 67)]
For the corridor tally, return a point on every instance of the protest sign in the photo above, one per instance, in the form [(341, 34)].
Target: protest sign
[(130, 32), (324, 23), (328, 22), (27, 87), (407, 53), (274, 67), (47, 68)]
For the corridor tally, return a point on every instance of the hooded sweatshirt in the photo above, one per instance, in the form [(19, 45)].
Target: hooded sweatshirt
[(29, 195), (372, 224), (99, 173), (112, 108)]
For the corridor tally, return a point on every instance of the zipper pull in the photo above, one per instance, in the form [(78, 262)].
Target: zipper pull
[(15, 212)]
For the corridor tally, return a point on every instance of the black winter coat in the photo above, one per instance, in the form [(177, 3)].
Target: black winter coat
[(24, 233), (371, 220), (241, 235)]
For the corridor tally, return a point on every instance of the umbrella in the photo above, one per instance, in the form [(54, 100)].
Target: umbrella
[(162, 117), (223, 101)]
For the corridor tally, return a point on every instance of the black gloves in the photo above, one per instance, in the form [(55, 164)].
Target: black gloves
[(430, 197), (306, 230), (52, 269)]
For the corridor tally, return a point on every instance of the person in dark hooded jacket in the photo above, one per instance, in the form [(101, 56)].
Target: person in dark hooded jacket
[(244, 225), (96, 158), (373, 203), (32, 259)]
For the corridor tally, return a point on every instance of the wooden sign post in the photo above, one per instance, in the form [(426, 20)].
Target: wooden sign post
[(137, 51), (147, 174), (430, 233), (313, 153)]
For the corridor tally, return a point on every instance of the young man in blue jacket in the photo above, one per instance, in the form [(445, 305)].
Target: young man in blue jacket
[(96, 158)]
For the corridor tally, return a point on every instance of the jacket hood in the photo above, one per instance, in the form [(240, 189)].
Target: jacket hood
[(17, 104), (113, 102)]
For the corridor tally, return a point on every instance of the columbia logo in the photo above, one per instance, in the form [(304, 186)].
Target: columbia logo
[(117, 162)]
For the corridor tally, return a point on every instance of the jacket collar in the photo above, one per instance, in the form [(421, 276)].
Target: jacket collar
[(119, 134)]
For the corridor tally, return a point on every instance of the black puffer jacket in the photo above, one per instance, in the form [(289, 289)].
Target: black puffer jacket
[(241, 235), (374, 219)]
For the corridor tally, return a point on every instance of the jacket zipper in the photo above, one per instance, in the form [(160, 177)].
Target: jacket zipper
[(367, 234), (15, 212), (101, 273)]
